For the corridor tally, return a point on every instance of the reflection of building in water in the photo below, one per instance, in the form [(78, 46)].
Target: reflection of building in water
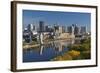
[(57, 45), (60, 47), (41, 38), (41, 50), (72, 41)]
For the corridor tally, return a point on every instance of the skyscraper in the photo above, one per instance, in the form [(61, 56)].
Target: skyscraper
[(69, 29), (76, 29), (60, 29), (30, 27), (56, 27), (41, 26), (63, 29), (34, 28), (46, 28), (83, 30)]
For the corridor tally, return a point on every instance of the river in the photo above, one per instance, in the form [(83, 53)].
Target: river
[(47, 51)]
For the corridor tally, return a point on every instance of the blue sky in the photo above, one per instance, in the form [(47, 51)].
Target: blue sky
[(53, 17)]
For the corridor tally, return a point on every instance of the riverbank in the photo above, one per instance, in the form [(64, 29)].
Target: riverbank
[(76, 52), (30, 45)]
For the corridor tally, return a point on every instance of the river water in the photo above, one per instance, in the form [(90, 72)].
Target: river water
[(46, 52)]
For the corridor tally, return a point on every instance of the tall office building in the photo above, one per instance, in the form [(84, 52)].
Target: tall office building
[(63, 29), (69, 29), (41, 26), (34, 27), (56, 27), (46, 28), (60, 29), (76, 29), (30, 27), (83, 30)]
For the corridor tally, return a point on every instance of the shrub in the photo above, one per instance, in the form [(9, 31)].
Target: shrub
[(74, 53)]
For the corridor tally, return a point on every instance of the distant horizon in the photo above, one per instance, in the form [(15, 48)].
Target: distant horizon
[(55, 17)]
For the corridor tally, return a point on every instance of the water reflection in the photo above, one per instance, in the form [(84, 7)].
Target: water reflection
[(47, 51)]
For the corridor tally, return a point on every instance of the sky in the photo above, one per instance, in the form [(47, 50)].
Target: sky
[(55, 17)]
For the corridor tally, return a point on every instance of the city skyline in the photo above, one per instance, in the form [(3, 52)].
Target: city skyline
[(53, 17), (54, 36)]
